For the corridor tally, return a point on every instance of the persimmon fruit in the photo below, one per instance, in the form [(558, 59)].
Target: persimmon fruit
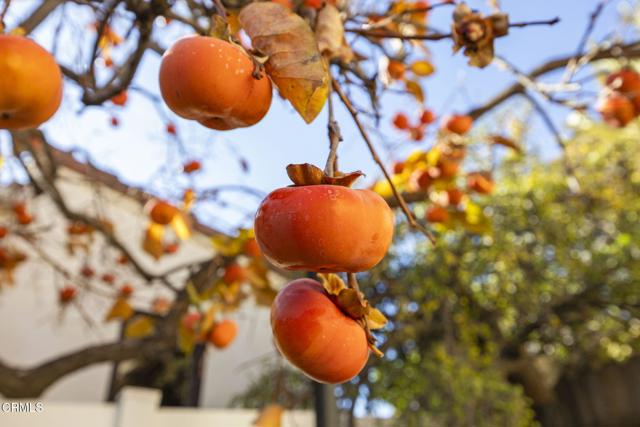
[(211, 81), (31, 83), (458, 123), (223, 333), (234, 273), (401, 121), (324, 228), (251, 248), (316, 336), (616, 109), (163, 212), (480, 183), (437, 214)]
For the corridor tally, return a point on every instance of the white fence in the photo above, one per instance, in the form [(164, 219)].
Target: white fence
[(136, 407)]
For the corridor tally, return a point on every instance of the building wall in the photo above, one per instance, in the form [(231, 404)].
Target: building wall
[(33, 327)]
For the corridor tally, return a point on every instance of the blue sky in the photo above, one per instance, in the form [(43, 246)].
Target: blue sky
[(140, 146)]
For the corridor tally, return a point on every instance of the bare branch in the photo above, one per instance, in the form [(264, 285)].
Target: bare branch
[(403, 205)]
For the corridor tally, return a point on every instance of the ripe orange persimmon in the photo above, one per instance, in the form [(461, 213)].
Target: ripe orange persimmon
[(448, 167), (315, 335), (251, 248), (234, 273), (163, 213), (398, 167), (67, 294), (458, 123), (191, 166), (454, 196), (420, 180), (190, 320), (401, 121), (211, 81), (223, 333), (625, 80), (396, 69), (437, 214), (3, 232), (427, 117), (31, 83), (324, 228), (120, 99), (480, 182), (616, 109)]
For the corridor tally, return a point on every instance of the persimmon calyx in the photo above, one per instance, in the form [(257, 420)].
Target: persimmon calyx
[(308, 174), (355, 306)]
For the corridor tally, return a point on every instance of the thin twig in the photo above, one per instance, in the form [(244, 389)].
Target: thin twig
[(335, 138), (5, 8), (437, 36), (572, 180), (572, 66), (396, 194)]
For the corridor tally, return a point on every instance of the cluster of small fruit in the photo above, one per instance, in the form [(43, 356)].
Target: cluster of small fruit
[(619, 102)]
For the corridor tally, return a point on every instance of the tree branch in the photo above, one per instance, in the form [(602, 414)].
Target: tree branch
[(396, 194)]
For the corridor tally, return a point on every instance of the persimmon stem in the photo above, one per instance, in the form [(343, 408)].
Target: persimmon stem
[(352, 282), (335, 138), (365, 135)]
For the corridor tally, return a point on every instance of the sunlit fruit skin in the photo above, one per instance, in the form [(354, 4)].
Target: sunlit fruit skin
[(458, 123), (315, 335), (324, 228), (223, 333), (616, 109), (211, 81), (30, 83)]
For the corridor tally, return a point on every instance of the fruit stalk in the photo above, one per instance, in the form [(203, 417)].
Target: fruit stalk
[(352, 282), (335, 138)]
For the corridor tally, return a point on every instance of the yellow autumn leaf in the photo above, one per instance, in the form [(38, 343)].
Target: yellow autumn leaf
[(294, 61), (152, 241), (422, 68), (415, 89), (181, 226), (120, 310), (139, 327), (270, 416)]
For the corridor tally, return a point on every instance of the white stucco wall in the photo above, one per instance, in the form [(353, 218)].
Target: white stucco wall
[(33, 328)]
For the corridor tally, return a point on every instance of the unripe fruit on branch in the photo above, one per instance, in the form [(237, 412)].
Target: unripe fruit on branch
[(315, 335), (30, 83), (211, 81)]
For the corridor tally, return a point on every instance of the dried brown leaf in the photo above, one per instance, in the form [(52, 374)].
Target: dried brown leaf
[(295, 64)]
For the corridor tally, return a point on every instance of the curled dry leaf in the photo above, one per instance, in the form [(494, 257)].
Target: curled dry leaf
[(308, 174), (330, 35), (475, 33), (504, 141), (329, 30), (295, 64), (356, 307)]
